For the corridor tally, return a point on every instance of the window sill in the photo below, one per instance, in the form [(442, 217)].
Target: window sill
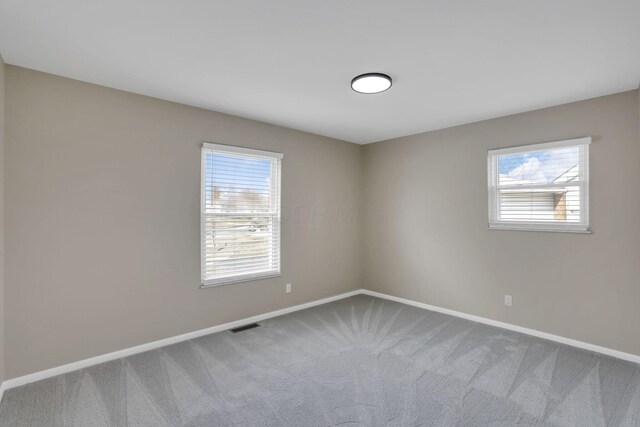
[(539, 228), (239, 279)]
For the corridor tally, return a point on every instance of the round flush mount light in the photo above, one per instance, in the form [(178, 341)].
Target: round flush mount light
[(371, 83)]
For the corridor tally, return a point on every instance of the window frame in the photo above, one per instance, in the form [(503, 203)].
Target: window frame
[(493, 187), (276, 189)]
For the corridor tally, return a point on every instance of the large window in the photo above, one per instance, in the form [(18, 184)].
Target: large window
[(540, 187), (240, 214)]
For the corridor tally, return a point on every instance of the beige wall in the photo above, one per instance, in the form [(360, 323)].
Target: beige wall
[(2, 326), (102, 220), (431, 242)]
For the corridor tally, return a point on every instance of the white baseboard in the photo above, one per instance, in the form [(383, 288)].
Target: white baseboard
[(2, 389), (568, 341), (70, 367)]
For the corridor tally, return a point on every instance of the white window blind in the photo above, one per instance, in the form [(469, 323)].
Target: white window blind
[(240, 214), (540, 187)]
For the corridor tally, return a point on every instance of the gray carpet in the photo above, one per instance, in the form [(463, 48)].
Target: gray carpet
[(358, 361)]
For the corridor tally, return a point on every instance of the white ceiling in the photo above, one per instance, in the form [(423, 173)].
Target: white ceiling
[(290, 62)]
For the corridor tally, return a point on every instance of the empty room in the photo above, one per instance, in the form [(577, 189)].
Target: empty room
[(319, 213)]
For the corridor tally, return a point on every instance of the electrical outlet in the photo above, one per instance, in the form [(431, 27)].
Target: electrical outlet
[(287, 288), (508, 300)]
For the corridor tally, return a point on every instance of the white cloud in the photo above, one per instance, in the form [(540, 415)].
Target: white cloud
[(528, 171)]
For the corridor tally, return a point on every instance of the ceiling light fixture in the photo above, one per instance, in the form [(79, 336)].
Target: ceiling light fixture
[(371, 83)]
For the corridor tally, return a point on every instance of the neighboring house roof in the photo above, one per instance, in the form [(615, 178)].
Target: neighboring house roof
[(570, 175)]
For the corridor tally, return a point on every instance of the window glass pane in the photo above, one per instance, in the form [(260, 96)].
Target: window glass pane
[(540, 167), (235, 183), (238, 244), (540, 205)]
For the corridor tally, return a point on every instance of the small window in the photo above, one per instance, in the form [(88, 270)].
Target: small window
[(542, 187), (240, 214)]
